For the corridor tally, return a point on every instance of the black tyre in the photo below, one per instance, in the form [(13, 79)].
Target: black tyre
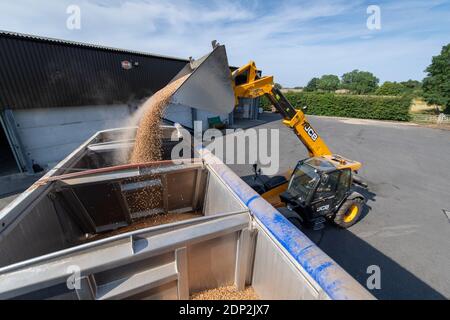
[(349, 213)]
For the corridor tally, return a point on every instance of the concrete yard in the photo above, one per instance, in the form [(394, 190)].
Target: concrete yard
[(404, 230)]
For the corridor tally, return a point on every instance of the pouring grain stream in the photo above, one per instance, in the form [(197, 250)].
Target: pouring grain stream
[(148, 144)]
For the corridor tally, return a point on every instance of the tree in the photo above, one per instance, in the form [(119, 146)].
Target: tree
[(436, 86), (312, 84), (413, 87), (412, 84), (328, 82), (360, 82), (391, 89)]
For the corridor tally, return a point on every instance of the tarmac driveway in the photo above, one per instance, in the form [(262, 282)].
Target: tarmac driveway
[(404, 230)]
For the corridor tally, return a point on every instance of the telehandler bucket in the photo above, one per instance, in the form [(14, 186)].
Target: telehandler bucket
[(208, 86)]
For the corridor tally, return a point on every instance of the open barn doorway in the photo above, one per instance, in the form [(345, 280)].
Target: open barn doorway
[(8, 163)]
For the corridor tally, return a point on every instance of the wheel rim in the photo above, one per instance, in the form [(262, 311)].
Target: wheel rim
[(351, 214)]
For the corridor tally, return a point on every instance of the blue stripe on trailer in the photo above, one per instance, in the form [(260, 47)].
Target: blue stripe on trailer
[(331, 277), (251, 199)]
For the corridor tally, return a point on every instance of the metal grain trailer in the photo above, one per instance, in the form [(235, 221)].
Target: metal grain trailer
[(83, 232)]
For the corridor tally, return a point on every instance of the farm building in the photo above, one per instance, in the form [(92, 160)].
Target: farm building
[(57, 93)]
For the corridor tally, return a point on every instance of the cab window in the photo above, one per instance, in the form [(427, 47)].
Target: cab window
[(345, 179), (327, 185), (303, 181), (344, 184)]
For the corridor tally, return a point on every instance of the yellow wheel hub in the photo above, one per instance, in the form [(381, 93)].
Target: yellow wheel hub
[(351, 214)]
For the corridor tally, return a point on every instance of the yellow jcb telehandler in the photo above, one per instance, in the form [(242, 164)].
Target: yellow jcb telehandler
[(320, 187)]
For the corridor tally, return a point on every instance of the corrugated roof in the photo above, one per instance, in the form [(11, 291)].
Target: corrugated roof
[(37, 72), (84, 45)]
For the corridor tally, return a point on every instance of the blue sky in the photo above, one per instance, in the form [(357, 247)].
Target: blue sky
[(293, 40)]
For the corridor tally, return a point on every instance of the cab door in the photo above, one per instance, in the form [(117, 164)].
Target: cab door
[(343, 186), (324, 199)]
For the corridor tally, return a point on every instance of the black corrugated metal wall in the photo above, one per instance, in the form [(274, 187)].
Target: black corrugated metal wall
[(41, 73)]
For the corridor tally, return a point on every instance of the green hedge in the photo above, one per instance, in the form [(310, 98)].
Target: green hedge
[(352, 106)]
